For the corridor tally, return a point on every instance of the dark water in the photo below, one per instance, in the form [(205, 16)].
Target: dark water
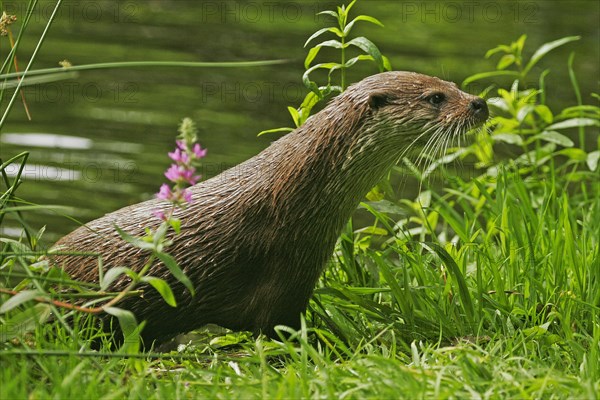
[(98, 141)]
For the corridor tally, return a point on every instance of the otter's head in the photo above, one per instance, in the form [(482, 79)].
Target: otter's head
[(417, 110)]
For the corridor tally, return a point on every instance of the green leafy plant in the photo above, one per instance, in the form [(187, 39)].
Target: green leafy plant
[(344, 43), (45, 288), (19, 266), (523, 119), (513, 57), (431, 268)]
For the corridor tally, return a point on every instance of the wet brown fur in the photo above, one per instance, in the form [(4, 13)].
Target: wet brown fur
[(256, 237)]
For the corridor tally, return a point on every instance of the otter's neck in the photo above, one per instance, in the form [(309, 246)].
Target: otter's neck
[(322, 170)]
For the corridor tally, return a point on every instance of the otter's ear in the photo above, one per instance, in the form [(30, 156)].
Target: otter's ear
[(378, 100)]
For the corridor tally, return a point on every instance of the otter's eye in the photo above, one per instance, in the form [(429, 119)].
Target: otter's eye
[(436, 99)]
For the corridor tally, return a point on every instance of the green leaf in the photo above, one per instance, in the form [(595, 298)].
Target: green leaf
[(510, 138), (385, 206), (354, 60), (485, 75), (329, 12), (307, 105), (312, 86), (275, 130), (387, 65), (295, 115), (506, 61), (336, 44), (373, 230), (544, 113), (375, 194), (504, 48), (574, 123), (230, 339), (574, 154), (367, 18), (578, 111), (161, 287), (348, 7), (113, 274), (592, 160), (555, 137), (20, 298), (544, 49), (322, 31), (175, 224), (159, 235), (368, 47), (175, 269), (312, 53), (135, 241), (309, 101), (524, 112), (129, 327), (520, 43)]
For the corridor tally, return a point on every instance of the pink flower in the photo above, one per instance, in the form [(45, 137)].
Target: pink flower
[(188, 176), (199, 151), (174, 172), (165, 192), (179, 156), (159, 214), (181, 173), (178, 173), (187, 195)]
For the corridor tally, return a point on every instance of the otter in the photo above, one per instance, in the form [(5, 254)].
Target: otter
[(256, 237)]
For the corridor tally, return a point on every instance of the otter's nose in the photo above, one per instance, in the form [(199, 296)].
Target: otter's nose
[(479, 108)]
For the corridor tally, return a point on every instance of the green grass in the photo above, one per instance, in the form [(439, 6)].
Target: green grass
[(389, 320)]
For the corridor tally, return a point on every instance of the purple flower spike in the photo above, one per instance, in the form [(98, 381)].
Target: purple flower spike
[(181, 173), (165, 192), (199, 151), (178, 173)]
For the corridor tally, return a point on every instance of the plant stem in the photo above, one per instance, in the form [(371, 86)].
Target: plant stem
[(33, 56), (343, 68), (136, 64)]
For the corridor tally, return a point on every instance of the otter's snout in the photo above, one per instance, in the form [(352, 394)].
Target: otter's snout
[(479, 108)]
